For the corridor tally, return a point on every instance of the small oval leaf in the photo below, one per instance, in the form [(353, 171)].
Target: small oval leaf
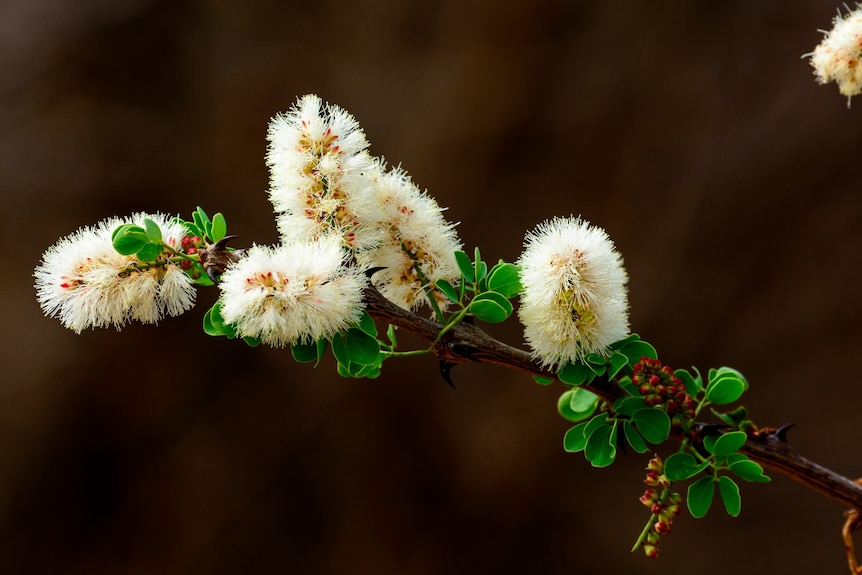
[(505, 278), (219, 227), (680, 466), (599, 450), (574, 440), (729, 491), (727, 443), (700, 494), (574, 373), (724, 390), (465, 265), (634, 438), (652, 423), (488, 311)]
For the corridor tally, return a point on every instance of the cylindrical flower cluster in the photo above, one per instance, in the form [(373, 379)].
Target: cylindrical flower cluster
[(321, 175), (85, 283), (838, 58), (416, 246), (574, 299), (299, 292)]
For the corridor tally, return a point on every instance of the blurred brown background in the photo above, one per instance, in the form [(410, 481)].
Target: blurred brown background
[(692, 131)]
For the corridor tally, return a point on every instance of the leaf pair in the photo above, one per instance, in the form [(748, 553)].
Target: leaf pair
[(492, 289), (145, 243)]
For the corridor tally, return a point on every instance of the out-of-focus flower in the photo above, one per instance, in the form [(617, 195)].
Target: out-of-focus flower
[(299, 292), (574, 300), (838, 57), (320, 174), (85, 283), (416, 246)]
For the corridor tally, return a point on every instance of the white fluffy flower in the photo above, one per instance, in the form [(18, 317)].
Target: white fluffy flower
[(574, 300), (838, 58), (293, 293), (85, 283), (320, 174), (415, 240)]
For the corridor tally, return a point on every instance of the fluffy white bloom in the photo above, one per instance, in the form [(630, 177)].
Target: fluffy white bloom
[(293, 293), (84, 282), (837, 57), (320, 174), (414, 235), (574, 300)]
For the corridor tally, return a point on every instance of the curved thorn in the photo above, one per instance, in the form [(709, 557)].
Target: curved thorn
[(223, 242), (446, 372), (781, 432)]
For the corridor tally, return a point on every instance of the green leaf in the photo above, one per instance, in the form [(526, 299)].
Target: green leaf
[(577, 404), (251, 341), (203, 222), (692, 384), (480, 267), (575, 373), (366, 324), (574, 440), (730, 372), (629, 404), (339, 350), (724, 390), (543, 380), (128, 239), (727, 443), (505, 278), (682, 466), (448, 290), (202, 278), (219, 227), (749, 471), (616, 364), (304, 352), (600, 449), (154, 232), (700, 494), (635, 350), (465, 265), (653, 424), (210, 327), (596, 422), (149, 253), (490, 307), (357, 347), (214, 324), (597, 363), (488, 311), (733, 418), (729, 491), (341, 368), (634, 438), (619, 344)]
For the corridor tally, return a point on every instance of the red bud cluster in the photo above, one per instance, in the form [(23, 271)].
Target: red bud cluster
[(664, 506), (660, 387), (190, 245)]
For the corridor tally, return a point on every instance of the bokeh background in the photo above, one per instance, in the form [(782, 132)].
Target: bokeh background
[(691, 130)]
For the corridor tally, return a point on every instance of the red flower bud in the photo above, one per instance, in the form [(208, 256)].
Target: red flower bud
[(651, 551)]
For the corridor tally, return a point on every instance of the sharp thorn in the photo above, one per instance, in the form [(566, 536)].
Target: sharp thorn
[(446, 372), (781, 432)]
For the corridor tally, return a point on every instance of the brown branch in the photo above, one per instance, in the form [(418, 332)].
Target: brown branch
[(467, 343)]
